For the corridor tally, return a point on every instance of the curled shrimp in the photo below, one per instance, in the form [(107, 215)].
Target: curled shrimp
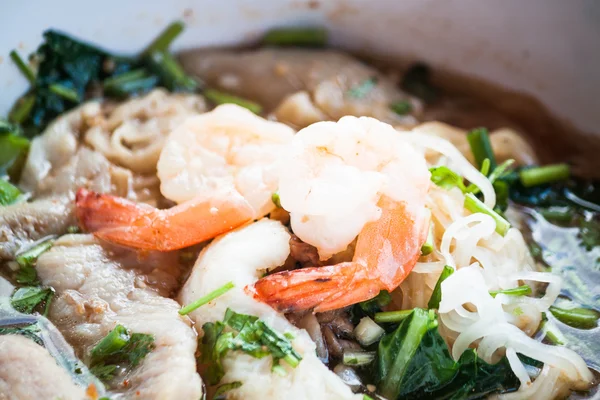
[(221, 169), (354, 177)]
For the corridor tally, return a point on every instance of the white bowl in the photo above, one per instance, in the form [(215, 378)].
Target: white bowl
[(547, 48)]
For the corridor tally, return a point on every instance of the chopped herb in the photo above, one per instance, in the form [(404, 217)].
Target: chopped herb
[(475, 205), (582, 318), (358, 358), (413, 362), (130, 83), (23, 67), (218, 97), (401, 107), (206, 299), (244, 333), (589, 233), (26, 299), (9, 194), (22, 109), (224, 388), (436, 295), (304, 37), (165, 38), (119, 347), (361, 90), (417, 81), (170, 72), (427, 247), (13, 151), (542, 175), (27, 259), (445, 178), (558, 214), (64, 92), (523, 290), (392, 316), (276, 200), (481, 147), (371, 307)]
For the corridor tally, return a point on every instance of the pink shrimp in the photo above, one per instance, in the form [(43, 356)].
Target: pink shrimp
[(141, 226), (354, 177)]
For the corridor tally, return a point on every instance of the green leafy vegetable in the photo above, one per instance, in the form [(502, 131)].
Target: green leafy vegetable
[(9, 194), (26, 299), (244, 333), (13, 150), (542, 175), (436, 295), (414, 363), (481, 147), (445, 178), (27, 260), (370, 307), (417, 81), (401, 107), (69, 68), (582, 318), (304, 37), (218, 97), (207, 298), (475, 205), (119, 347), (397, 348), (523, 290), (361, 90), (224, 388)]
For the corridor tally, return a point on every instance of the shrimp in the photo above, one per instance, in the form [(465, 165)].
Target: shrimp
[(354, 177), (221, 169)]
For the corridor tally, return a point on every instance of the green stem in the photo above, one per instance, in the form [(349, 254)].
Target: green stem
[(481, 147), (475, 205), (541, 175), (583, 318), (206, 299), (518, 291), (306, 37), (164, 40), (171, 73), (218, 97), (64, 92), (23, 67), (22, 109), (392, 316)]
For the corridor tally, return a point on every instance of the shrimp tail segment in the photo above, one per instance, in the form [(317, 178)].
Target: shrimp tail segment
[(322, 288), (141, 226)]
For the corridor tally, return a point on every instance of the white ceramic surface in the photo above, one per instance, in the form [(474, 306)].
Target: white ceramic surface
[(548, 48)]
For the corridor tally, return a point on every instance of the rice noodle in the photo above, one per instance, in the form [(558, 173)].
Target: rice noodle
[(484, 261)]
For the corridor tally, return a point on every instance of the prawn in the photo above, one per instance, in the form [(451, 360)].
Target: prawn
[(221, 169), (356, 177)]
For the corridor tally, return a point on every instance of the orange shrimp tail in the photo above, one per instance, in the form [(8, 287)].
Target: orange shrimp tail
[(323, 288), (124, 222)]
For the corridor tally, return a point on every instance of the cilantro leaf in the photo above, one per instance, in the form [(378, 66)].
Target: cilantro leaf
[(26, 299)]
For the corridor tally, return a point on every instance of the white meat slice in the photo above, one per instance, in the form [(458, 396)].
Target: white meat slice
[(99, 287)]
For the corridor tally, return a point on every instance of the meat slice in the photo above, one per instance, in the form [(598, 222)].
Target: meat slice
[(242, 256), (28, 372), (337, 83), (99, 287)]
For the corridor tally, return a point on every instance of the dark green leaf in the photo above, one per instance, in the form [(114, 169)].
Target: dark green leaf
[(26, 299), (9, 194), (436, 295), (224, 388), (396, 349), (401, 107), (32, 332)]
